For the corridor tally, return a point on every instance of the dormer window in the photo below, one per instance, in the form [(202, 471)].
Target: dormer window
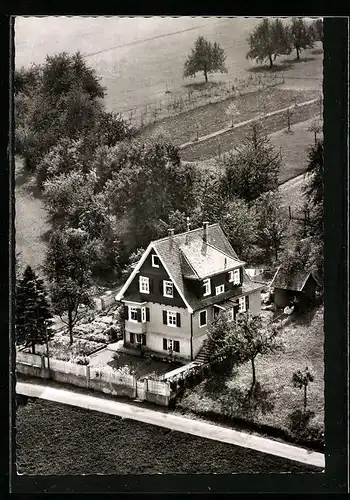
[(155, 261), (234, 276), (168, 289), (144, 284), (206, 287), (219, 289)]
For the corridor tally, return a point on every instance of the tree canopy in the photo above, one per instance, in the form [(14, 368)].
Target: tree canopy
[(252, 169), (61, 98), (301, 35), (68, 268), (205, 56), (268, 40)]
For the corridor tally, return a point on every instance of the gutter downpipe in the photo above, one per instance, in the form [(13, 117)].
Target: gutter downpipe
[(191, 336)]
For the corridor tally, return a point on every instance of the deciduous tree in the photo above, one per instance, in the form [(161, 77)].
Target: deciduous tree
[(300, 35), (207, 57), (268, 40), (33, 315), (250, 337), (68, 268), (301, 380)]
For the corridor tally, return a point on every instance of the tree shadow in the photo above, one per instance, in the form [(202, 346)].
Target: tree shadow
[(304, 317), (249, 402), (317, 51), (265, 68), (202, 85), (299, 421)]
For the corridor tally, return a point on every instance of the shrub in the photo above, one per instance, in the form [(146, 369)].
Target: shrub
[(81, 360)]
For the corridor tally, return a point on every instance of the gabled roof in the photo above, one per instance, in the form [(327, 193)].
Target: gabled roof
[(185, 255), (294, 280)]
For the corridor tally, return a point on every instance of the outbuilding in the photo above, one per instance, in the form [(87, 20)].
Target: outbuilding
[(294, 288)]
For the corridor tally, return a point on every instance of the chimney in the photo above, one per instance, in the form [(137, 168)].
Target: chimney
[(188, 230), (205, 231)]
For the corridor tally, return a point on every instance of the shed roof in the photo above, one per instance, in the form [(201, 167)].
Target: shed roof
[(295, 280)]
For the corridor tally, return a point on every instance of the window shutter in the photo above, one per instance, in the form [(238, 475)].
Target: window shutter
[(143, 339), (178, 319), (247, 302), (176, 346), (165, 318), (139, 315), (126, 312), (165, 345), (227, 277), (147, 313), (241, 275), (161, 287), (132, 338), (150, 285)]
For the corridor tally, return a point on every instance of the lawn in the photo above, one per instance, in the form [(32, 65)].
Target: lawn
[(74, 441), (276, 399)]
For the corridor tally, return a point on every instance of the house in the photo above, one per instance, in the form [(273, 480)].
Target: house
[(293, 286), (180, 283)]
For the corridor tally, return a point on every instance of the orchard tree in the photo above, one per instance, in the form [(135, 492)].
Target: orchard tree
[(68, 269), (33, 315), (317, 30), (250, 337), (271, 224), (300, 35), (207, 57), (252, 169), (232, 111), (316, 128), (301, 380), (268, 40)]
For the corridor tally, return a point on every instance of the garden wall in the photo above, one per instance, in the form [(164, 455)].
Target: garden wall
[(98, 379)]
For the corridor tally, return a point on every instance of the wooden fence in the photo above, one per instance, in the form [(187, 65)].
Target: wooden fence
[(100, 379)]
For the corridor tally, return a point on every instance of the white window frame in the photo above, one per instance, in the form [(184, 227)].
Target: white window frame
[(143, 314), (165, 284), (235, 276), (207, 285), (171, 314), (219, 289), (153, 263), (169, 344), (242, 304), (206, 318), (143, 280), (133, 309), (230, 314)]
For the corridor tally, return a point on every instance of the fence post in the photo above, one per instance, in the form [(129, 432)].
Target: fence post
[(87, 368), (290, 213)]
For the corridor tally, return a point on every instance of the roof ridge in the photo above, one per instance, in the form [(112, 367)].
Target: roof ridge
[(183, 233)]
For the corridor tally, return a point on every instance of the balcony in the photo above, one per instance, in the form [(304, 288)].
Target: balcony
[(135, 326)]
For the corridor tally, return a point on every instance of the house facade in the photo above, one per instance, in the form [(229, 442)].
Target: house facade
[(179, 285)]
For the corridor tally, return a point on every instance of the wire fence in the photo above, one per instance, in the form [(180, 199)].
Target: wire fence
[(174, 104)]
